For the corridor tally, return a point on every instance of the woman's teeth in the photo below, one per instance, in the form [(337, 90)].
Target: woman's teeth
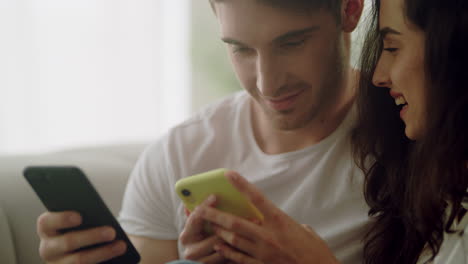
[(400, 100)]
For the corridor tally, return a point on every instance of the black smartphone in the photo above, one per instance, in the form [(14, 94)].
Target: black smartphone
[(66, 188)]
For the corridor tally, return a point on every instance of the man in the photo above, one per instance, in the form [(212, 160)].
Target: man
[(288, 134)]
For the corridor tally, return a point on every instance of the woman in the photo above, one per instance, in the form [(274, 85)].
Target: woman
[(412, 133)]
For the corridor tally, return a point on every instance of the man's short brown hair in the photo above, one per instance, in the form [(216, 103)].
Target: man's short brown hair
[(304, 6)]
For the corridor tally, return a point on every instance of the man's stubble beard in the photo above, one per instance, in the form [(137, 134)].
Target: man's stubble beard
[(327, 94)]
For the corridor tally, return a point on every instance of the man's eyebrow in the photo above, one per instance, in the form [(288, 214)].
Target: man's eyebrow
[(232, 41), (387, 30), (295, 33), (291, 34)]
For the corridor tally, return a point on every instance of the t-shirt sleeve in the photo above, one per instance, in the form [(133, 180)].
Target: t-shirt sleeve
[(147, 208)]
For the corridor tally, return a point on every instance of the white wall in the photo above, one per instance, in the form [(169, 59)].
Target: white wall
[(91, 71)]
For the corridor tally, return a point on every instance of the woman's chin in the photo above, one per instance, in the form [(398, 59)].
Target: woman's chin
[(411, 133)]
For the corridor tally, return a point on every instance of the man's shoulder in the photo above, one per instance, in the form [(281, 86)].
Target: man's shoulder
[(214, 120), (218, 113), (201, 138)]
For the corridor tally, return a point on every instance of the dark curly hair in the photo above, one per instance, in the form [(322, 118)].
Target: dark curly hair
[(409, 185)]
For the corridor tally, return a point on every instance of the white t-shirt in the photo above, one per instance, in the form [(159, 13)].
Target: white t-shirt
[(319, 186), (454, 248)]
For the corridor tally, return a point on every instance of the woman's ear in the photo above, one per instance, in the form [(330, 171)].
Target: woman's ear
[(351, 11)]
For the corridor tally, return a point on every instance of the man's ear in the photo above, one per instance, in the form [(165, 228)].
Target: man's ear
[(351, 11)]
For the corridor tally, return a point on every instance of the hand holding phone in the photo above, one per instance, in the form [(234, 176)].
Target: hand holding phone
[(66, 189), (58, 247), (198, 238), (195, 189)]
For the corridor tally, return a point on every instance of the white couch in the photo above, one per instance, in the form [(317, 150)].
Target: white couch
[(107, 167)]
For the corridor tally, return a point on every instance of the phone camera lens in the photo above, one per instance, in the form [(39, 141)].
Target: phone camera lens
[(186, 192)]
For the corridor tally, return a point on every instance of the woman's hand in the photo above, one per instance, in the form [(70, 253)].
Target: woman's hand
[(279, 239)]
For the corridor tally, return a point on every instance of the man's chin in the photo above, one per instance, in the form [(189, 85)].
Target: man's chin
[(286, 123), (286, 120)]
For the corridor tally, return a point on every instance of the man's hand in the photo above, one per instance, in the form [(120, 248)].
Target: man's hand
[(58, 248), (278, 240), (198, 245)]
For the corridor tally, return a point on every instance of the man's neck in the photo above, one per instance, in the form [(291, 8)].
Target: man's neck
[(275, 141)]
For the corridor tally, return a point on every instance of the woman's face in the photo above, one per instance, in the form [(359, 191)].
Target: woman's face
[(401, 66)]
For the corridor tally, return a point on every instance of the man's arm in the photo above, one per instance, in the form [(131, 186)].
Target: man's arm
[(154, 251)]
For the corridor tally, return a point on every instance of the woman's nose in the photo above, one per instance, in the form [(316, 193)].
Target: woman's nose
[(381, 76)]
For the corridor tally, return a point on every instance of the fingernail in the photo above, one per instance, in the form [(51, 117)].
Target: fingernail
[(75, 219), (211, 198), (218, 249), (119, 248), (233, 176), (257, 221), (228, 174), (108, 234)]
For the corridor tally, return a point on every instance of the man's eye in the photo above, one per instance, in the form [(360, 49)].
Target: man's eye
[(292, 44), (241, 49)]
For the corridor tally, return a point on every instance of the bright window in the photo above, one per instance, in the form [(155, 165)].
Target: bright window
[(90, 72)]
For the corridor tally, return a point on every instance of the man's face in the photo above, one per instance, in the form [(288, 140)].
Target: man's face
[(290, 63)]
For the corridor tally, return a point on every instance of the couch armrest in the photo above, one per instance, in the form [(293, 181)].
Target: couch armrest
[(107, 168), (7, 250)]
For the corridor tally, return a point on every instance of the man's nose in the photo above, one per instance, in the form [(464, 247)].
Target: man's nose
[(270, 76)]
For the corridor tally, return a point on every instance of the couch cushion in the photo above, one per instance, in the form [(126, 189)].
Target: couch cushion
[(7, 250)]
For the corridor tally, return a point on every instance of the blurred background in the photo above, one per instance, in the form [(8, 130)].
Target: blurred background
[(99, 72)]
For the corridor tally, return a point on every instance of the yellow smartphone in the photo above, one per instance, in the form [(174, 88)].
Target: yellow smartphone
[(195, 189)]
